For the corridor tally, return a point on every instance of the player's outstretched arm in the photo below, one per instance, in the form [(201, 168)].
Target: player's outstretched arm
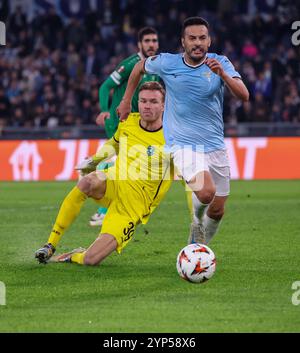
[(104, 93), (124, 108), (108, 150)]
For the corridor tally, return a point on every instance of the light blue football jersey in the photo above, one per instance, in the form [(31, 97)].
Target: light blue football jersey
[(194, 101)]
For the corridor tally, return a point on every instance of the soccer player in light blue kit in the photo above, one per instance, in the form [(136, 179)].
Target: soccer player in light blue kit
[(193, 122)]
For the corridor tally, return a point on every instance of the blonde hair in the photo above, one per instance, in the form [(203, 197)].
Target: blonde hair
[(153, 86)]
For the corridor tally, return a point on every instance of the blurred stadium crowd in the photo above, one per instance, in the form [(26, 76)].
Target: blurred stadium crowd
[(51, 68)]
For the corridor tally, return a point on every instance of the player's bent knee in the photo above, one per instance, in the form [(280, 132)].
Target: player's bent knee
[(207, 195), (216, 213), (90, 185), (85, 185), (103, 246)]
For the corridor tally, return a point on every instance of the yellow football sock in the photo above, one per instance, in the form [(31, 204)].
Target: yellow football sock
[(78, 257), (69, 210), (189, 192)]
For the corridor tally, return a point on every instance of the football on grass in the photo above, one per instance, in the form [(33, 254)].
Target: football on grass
[(196, 263)]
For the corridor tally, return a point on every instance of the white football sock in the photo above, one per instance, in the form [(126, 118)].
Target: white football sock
[(199, 209), (211, 227)]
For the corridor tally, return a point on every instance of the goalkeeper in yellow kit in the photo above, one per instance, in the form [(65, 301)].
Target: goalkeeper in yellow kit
[(131, 190)]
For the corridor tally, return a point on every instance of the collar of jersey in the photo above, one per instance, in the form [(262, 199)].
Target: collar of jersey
[(149, 130), (191, 66)]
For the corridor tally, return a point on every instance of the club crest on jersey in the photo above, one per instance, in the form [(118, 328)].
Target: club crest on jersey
[(150, 151), (207, 74)]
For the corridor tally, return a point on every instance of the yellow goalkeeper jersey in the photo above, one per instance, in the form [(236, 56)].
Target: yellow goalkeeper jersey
[(142, 166)]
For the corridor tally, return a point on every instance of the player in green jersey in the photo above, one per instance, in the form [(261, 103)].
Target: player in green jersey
[(117, 82)]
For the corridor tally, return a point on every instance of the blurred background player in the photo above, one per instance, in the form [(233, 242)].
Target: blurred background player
[(116, 82), (130, 200), (193, 120)]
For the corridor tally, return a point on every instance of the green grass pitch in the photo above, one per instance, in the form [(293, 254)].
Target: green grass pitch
[(257, 252)]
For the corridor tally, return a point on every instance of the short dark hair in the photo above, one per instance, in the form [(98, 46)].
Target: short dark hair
[(191, 21), (153, 86), (144, 31)]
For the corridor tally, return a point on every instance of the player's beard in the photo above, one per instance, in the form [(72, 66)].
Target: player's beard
[(196, 58), (147, 54)]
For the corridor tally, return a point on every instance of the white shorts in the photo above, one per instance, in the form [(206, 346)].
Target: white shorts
[(189, 163)]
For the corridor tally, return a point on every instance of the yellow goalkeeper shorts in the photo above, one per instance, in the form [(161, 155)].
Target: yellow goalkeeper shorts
[(127, 207)]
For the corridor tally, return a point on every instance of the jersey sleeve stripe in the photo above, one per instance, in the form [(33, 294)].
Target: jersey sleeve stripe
[(116, 77)]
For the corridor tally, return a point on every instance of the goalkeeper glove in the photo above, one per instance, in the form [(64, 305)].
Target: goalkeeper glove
[(88, 165)]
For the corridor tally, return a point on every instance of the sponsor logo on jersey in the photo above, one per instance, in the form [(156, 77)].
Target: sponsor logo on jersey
[(121, 69)]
